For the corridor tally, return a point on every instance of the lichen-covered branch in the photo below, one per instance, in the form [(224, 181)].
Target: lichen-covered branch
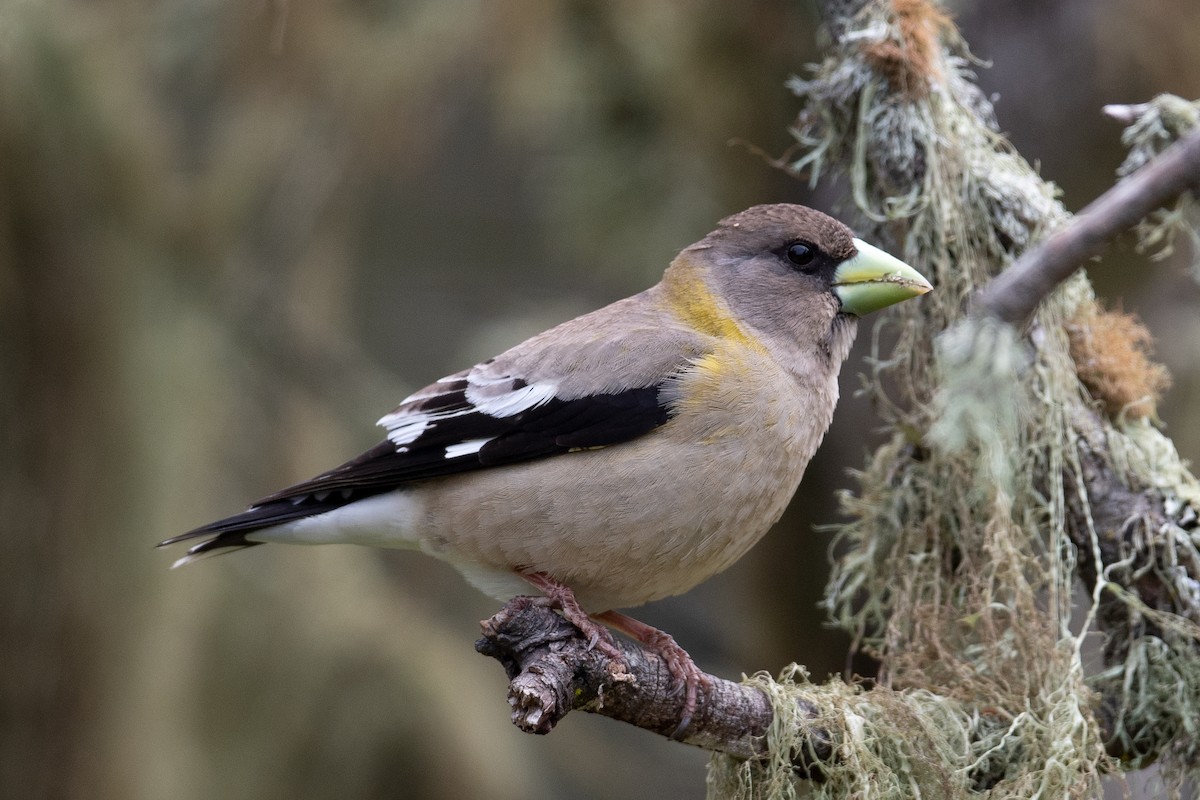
[(793, 724), (553, 670), (1024, 462)]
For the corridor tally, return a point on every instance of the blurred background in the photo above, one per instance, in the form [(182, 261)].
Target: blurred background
[(233, 234)]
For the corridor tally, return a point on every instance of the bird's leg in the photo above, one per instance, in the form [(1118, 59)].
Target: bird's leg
[(559, 596), (688, 676)]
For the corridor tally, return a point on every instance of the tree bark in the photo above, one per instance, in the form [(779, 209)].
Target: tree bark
[(553, 670)]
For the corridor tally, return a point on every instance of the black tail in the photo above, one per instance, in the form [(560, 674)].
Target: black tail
[(366, 475)]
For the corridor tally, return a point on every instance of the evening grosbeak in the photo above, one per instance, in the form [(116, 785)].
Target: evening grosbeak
[(623, 456)]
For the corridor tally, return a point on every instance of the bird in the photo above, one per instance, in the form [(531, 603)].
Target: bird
[(623, 456)]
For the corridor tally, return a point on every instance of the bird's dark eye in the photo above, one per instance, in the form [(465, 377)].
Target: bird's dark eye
[(801, 254)]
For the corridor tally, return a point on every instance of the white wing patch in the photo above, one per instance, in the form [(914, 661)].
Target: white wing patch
[(508, 401), (462, 395), (466, 448), (404, 426)]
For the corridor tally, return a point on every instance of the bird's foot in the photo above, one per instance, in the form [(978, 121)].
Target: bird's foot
[(559, 596), (688, 677)]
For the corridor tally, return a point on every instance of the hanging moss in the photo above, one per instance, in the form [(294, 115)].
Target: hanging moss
[(957, 566)]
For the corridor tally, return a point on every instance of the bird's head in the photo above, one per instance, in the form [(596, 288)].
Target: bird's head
[(795, 274), (815, 251)]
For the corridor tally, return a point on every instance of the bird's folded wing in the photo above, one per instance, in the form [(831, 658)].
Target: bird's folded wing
[(433, 435), (589, 383), (583, 385)]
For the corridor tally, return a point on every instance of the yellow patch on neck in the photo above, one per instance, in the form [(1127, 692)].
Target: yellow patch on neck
[(694, 303)]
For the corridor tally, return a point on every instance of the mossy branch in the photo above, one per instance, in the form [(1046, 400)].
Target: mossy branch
[(1024, 462), (553, 670)]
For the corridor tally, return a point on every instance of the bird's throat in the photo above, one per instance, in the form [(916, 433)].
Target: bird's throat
[(688, 296)]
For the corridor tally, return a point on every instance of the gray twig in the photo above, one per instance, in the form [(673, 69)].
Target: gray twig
[(1015, 293)]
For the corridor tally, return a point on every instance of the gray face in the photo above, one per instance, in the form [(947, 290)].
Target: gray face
[(802, 254), (775, 266), (800, 279), (791, 250)]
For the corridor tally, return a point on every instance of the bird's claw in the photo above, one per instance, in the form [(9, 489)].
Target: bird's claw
[(687, 679), (560, 597)]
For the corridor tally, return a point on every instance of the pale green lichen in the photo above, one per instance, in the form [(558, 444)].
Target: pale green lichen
[(957, 568), (1159, 124)]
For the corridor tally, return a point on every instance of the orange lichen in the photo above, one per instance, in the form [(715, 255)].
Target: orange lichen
[(1111, 351), (911, 63)]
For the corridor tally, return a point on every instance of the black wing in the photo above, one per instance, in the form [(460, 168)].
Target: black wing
[(441, 431)]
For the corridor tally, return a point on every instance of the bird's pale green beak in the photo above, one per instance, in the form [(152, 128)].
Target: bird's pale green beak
[(874, 279)]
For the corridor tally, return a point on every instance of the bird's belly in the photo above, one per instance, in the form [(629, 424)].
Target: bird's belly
[(638, 521)]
